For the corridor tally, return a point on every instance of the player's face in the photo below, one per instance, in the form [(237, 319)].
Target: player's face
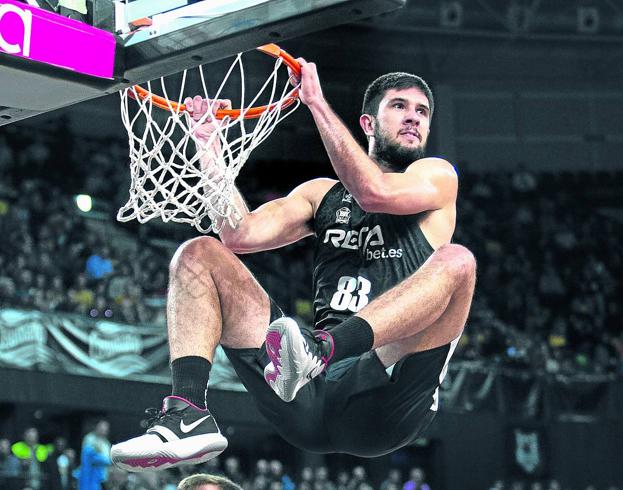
[(401, 128)]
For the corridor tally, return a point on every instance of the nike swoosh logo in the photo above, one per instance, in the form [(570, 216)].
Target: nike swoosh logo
[(187, 428)]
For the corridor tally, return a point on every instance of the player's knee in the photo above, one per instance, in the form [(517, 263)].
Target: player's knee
[(468, 261), (461, 258), (195, 251)]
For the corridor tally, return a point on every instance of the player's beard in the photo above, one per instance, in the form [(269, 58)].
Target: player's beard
[(393, 155)]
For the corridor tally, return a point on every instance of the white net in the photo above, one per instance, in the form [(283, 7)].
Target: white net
[(169, 175)]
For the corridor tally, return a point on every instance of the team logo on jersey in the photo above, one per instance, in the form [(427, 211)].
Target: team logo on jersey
[(347, 197), (364, 239), (342, 216)]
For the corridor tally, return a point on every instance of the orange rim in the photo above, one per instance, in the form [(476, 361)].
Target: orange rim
[(252, 112)]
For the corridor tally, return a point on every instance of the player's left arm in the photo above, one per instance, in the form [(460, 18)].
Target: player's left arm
[(428, 184)]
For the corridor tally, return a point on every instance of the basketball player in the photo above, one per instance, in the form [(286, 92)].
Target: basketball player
[(391, 294)]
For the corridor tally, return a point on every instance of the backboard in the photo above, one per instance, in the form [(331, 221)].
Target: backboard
[(48, 60)]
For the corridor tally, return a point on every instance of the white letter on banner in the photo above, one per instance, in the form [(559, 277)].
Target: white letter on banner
[(26, 16)]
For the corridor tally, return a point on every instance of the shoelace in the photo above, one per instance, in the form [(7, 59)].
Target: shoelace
[(154, 415)]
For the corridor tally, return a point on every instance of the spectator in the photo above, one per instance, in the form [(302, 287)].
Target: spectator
[(95, 457), (99, 265), (277, 475), (57, 466), (9, 466), (393, 480), (232, 469), (81, 297), (322, 481), (32, 455), (416, 480), (307, 477), (343, 480), (358, 477), (203, 481)]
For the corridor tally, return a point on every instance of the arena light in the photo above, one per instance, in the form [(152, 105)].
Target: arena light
[(84, 202)]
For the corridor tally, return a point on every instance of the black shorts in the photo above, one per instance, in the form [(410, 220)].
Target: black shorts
[(355, 407)]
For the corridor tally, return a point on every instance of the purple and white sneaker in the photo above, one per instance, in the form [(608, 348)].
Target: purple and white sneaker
[(179, 434), (297, 356)]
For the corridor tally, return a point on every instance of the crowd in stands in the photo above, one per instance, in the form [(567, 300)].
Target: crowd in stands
[(33, 465), (546, 245)]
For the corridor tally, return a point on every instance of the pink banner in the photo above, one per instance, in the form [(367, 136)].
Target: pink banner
[(35, 34)]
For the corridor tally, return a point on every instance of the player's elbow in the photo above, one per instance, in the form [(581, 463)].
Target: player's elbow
[(236, 244), (374, 198), (236, 239)]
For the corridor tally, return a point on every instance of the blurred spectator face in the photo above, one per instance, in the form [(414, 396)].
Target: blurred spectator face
[(276, 467), (102, 428), (60, 444), (359, 473), (25, 277), (417, 475), (31, 436), (260, 482), (307, 474), (40, 281), (394, 475), (322, 473), (343, 477), (5, 447), (7, 287), (554, 485), (81, 282), (261, 467), (57, 282), (20, 262), (232, 465), (276, 485), (71, 455)]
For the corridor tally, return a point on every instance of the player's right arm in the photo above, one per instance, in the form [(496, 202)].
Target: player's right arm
[(278, 222), (272, 225)]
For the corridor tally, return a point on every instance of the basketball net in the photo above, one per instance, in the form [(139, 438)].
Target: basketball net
[(169, 175)]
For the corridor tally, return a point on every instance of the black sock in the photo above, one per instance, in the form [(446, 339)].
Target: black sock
[(351, 338), (190, 376)]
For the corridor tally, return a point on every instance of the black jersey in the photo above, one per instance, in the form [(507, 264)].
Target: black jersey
[(360, 255)]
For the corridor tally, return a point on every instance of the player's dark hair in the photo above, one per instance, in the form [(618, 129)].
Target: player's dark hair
[(396, 80), (195, 481)]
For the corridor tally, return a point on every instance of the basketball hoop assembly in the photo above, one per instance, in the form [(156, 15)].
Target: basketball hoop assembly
[(183, 179)]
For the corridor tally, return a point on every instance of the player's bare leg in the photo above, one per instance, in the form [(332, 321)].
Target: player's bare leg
[(213, 299), (426, 310), (447, 327)]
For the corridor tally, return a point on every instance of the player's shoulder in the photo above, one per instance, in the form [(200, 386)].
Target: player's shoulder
[(316, 187), (433, 164), (434, 167)]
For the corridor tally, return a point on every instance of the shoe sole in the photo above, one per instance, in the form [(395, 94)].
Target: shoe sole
[(284, 374), (191, 450)]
